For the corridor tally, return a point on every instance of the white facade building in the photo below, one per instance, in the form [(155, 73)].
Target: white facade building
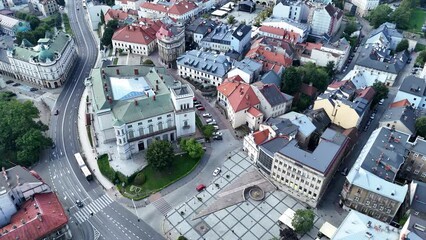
[(133, 106), (296, 11), (326, 20), (364, 6), (127, 5), (47, 64), (414, 90), (46, 7), (302, 29), (272, 101)]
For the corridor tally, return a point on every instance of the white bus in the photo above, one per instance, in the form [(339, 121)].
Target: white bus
[(83, 167)]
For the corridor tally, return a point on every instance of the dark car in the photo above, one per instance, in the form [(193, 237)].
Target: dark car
[(9, 81), (16, 84), (345, 172), (56, 112), (33, 89), (79, 203), (217, 137)]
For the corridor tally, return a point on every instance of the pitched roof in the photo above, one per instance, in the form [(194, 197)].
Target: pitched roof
[(241, 31), (213, 64), (414, 85), (401, 103), (288, 35), (367, 94), (254, 112), (333, 11), (229, 85), (39, 222), (308, 89), (269, 58), (115, 14), (271, 77), (376, 59), (240, 95), (134, 34), (182, 7), (404, 114), (272, 94), (155, 7), (261, 136)]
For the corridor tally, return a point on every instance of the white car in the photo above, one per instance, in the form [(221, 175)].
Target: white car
[(212, 122), (217, 171), (209, 120), (217, 133), (381, 102), (207, 115), (215, 127)]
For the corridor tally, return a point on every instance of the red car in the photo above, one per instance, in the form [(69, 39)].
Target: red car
[(201, 108), (200, 187)]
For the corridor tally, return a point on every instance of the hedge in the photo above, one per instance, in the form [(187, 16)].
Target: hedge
[(105, 168)]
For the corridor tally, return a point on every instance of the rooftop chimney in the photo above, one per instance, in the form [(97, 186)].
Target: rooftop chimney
[(117, 71), (17, 180), (136, 71), (4, 173), (153, 97), (136, 102), (156, 87), (39, 217)]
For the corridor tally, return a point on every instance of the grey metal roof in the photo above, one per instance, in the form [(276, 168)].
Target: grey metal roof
[(418, 147), (418, 198), (414, 85), (241, 31), (274, 145), (384, 153), (331, 144), (3, 56), (213, 64), (282, 126), (248, 65), (375, 58), (271, 77), (414, 233), (406, 115), (388, 29), (221, 34), (273, 95), (319, 118), (201, 26), (24, 177), (359, 104)]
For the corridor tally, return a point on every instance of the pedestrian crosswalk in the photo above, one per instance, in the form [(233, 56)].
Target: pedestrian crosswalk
[(163, 206), (92, 208)]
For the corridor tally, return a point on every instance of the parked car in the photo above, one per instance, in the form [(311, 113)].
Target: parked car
[(345, 171), (16, 84), (201, 108), (369, 122), (365, 128), (9, 81), (208, 120), (207, 115), (217, 138), (372, 116), (198, 105), (196, 102), (381, 102), (217, 171), (194, 99), (200, 187), (217, 133), (215, 127), (33, 89), (212, 122), (349, 61), (56, 112), (79, 203)]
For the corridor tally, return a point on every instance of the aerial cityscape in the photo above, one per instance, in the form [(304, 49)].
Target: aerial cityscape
[(213, 119)]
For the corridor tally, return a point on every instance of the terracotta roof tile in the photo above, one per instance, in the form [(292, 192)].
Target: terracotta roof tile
[(271, 60), (254, 112), (182, 7), (288, 35), (240, 95), (261, 136), (52, 218), (401, 103), (308, 90), (367, 94), (135, 34), (115, 14), (155, 7)]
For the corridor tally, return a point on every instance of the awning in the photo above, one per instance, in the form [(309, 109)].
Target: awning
[(287, 217), (328, 230)]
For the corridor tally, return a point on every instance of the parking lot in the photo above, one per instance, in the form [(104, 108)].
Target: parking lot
[(207, 119)]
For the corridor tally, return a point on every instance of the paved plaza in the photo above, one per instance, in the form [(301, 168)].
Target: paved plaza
[(244, 220)]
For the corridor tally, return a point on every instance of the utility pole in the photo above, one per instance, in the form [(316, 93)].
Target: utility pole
[(136, 211)]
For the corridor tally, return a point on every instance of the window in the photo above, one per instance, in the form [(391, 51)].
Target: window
[(381, 208), (375, 205), (367, 203), (356, 199), (150, 120), (139, 124), (416, 171), (388, 211), (129, 126), (159, 118), (423, 174)]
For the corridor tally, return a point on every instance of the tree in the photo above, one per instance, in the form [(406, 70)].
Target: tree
[(379, 15), (107, 36), (112, 24), (160, 154), (421, 58), (231, 19), (288, 234), (421, 126), (401, 17), (329, 68), (291, 81), (102, 16), (303, 221), (403, 45), (381, 92), (58, 21), (148, 62), (208, 131), (182, 238), (192, 147), (21, 138), (350, 28), (34, 23)]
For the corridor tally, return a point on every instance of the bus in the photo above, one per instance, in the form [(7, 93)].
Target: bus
[(83, 167)]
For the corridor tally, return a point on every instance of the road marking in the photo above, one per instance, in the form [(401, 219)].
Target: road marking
[(92, 208)]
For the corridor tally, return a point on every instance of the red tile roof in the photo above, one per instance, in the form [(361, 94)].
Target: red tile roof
[(308, 89), (115, 14), (255, 112), (155, 7), (367, 94), (401, 103), (288, 35), (270, 60), (337, 84), (179, 8), (136, 34), (240, 95), (52, 218), (261, 136)]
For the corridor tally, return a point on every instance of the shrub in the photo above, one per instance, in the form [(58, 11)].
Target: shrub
[(139, 179), (122, 178), (148, 62), (105, 168)]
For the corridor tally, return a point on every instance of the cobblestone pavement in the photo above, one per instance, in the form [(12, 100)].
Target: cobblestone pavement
[(246, 220)]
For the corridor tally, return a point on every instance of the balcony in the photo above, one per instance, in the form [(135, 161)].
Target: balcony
[(186, 126)]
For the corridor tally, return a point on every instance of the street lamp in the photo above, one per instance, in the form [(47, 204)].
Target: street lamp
[(136, 211)]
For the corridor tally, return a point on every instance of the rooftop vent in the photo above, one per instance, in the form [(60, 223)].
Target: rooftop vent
[(419, 227), (378, 188)]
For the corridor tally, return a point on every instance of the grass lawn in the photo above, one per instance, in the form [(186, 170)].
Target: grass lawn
[(418, 17), (156, 180)]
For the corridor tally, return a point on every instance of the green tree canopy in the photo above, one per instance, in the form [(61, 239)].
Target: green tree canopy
[(381, 92), (208, 131), (421, 58), (160, 154), (403, 45), (288, 234), (21, 138), (401, 17), (329, 68), (182, 238), (102, 16), (318, 76), (421, 126), (112, 24), (231, 19), (350, 28), (303, 221), (291, 81), (192, 147), (107, 36), (148, 62), (379, 15)]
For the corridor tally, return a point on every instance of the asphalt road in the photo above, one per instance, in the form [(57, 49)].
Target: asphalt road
[(101, 217)]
